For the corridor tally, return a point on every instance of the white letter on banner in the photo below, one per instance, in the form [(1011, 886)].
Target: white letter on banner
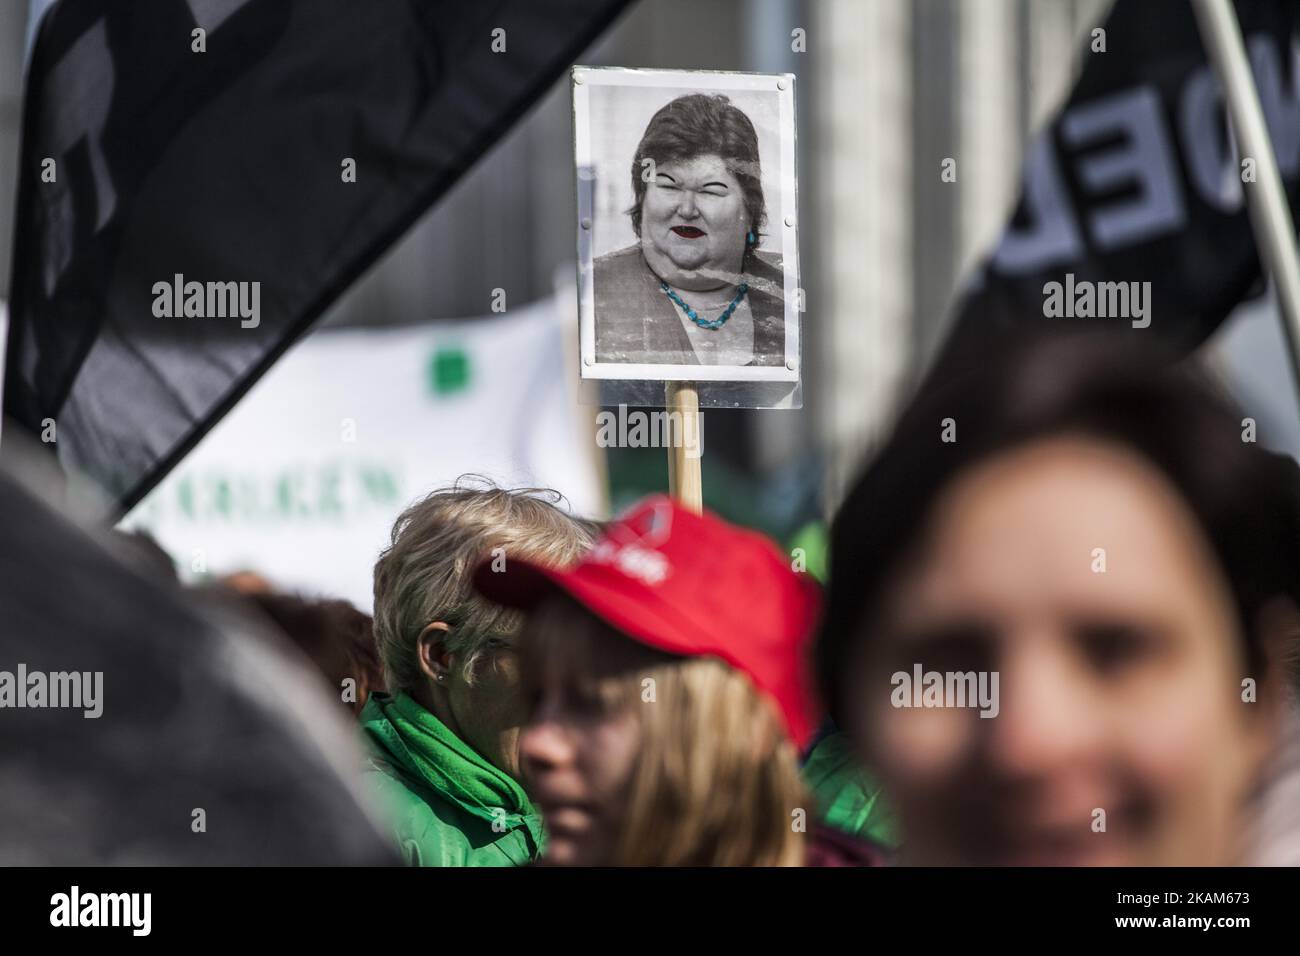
[(1145, 160)]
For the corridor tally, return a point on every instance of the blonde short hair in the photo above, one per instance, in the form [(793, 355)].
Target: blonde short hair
[(425, 573)]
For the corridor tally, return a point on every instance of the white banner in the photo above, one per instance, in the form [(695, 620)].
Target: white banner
[(302, 480)]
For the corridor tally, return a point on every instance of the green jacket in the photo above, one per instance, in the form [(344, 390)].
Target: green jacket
[(847, 797), (447, 806)]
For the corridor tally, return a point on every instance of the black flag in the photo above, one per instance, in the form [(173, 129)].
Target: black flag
[(1132, 207), (200, 180)]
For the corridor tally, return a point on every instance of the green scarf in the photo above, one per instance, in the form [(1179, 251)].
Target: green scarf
[(453, 768), (847, 795)]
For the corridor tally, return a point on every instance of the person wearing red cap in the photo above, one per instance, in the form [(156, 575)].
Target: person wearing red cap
[(670, 695)]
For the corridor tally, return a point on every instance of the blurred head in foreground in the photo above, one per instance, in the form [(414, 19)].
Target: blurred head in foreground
[(185, 697), (668, 694), (1058, 599), (445, 736)]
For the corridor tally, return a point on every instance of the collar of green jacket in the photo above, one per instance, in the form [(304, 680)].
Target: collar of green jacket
[(848, 797), (421, 746)]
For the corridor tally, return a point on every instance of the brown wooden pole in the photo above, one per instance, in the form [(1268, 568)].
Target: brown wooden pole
[(685, 480)]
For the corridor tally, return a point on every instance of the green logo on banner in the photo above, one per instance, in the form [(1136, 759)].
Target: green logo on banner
[(449, 371)]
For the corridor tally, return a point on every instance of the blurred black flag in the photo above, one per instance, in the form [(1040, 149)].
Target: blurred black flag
[(1137, 180), (202, 178)]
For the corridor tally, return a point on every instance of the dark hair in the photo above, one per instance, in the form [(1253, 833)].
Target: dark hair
[(1245, 499), (339, 639), (700, 124)]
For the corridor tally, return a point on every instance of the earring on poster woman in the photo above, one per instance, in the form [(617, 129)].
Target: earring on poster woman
[(750, 238)]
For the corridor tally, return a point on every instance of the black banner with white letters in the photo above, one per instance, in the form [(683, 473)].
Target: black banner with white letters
[(1132, 210)]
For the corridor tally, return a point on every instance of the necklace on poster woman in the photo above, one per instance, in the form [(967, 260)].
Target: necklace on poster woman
[(693, 314)]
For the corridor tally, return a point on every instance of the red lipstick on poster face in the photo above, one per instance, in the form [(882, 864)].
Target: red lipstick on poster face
[(688, 232)]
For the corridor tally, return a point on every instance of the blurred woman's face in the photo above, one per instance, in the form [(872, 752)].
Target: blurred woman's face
[(693, 222), (580, 745), (1072, 569)]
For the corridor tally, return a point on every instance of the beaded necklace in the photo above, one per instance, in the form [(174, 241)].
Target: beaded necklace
[(691, 314)]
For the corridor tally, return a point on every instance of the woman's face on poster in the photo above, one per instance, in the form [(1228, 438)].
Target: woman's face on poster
[(693, 219)]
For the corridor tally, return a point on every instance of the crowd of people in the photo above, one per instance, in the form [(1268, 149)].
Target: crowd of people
[(1060, 627)]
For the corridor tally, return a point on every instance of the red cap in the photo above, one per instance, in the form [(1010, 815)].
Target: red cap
[(693, 585)]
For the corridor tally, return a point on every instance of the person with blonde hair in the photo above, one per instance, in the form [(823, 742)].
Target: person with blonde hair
[(669, 697), (443, 742)]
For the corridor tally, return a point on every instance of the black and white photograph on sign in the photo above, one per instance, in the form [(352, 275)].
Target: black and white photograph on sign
[(687, 225)]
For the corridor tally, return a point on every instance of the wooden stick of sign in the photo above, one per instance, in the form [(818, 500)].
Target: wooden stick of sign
[(685, 480)]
